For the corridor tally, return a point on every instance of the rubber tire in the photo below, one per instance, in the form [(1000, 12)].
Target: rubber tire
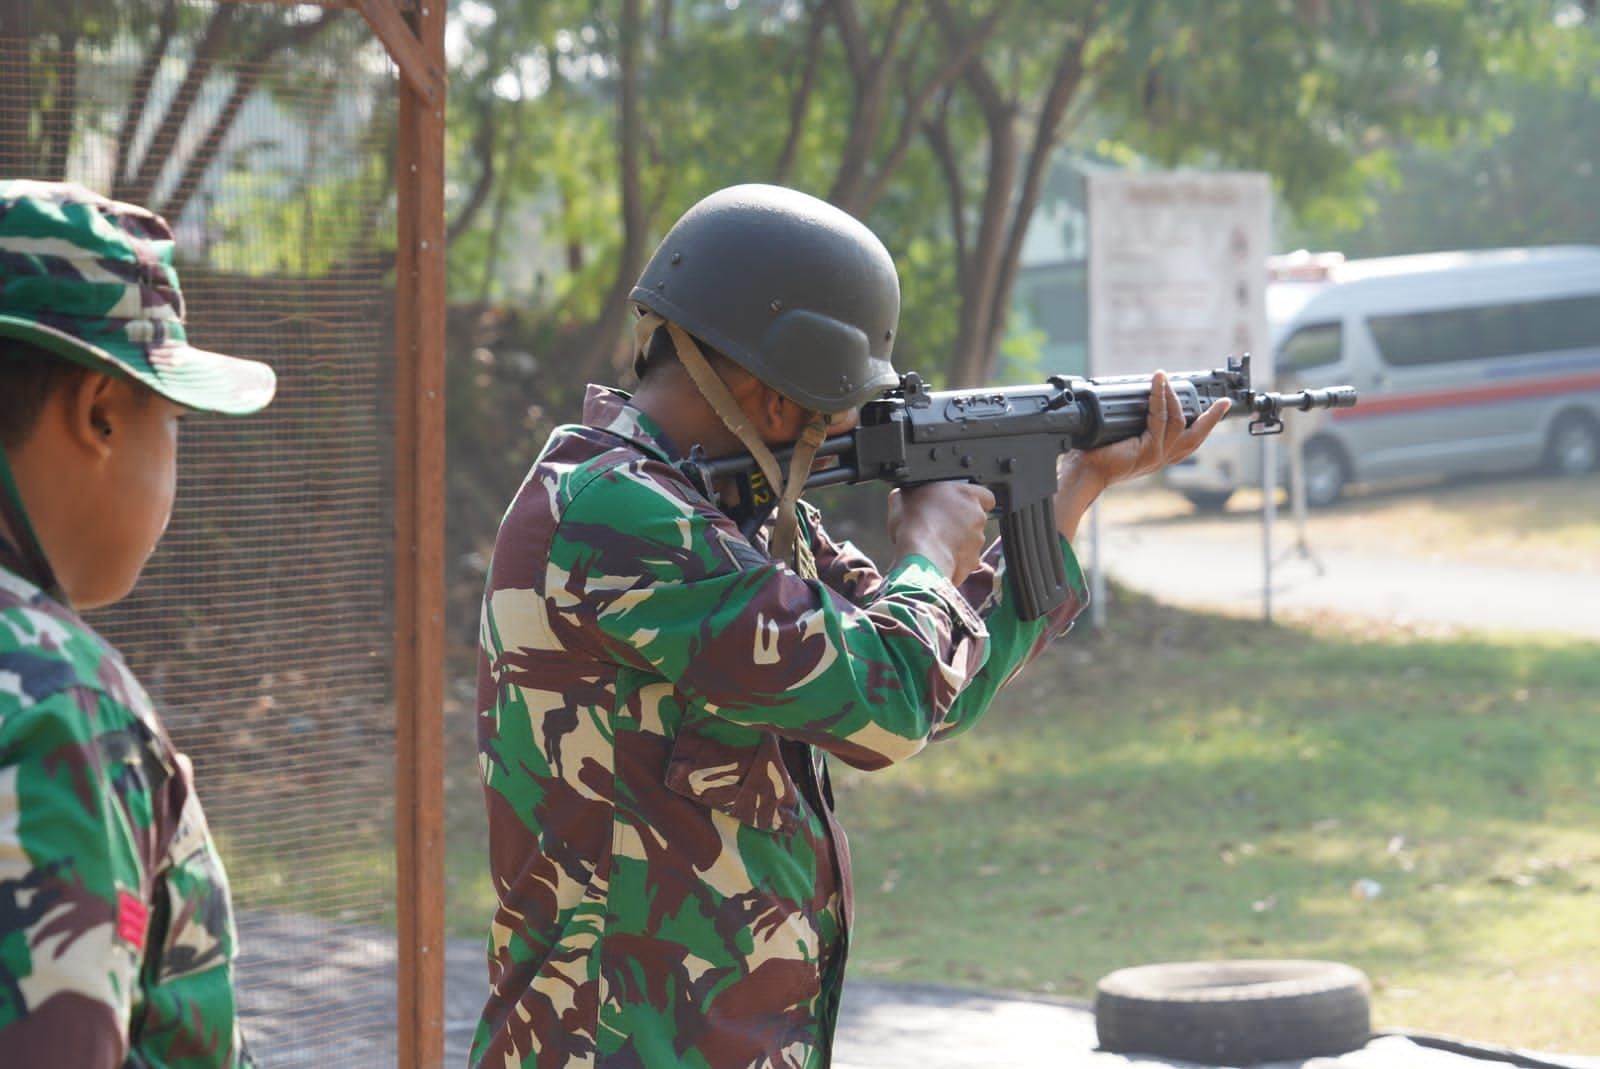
[(1574, 445), (1326, 472), (1235, 1013), (1208, 500)]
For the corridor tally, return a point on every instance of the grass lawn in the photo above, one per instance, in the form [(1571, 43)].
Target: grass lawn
[(1196, 787)]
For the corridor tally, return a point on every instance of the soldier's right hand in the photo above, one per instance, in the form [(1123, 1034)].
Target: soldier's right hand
[(942, 521)]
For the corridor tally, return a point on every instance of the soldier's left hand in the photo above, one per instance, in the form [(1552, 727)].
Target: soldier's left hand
[(1084, 475)]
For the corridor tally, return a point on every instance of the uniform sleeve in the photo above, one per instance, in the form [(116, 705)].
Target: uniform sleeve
[(72, 880), (671, 583), (1013, 642)]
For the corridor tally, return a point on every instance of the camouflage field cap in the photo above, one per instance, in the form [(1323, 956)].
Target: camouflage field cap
[(92, 280)]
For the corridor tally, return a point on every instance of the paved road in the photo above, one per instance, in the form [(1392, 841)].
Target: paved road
[(320, 995), (1224, 567)]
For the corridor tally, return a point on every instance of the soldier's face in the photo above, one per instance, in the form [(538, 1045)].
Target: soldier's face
[(137, 484), (786, 420), (840, 422)]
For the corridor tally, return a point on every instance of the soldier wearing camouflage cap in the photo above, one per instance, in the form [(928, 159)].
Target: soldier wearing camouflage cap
[(116, 930), (658, 691)]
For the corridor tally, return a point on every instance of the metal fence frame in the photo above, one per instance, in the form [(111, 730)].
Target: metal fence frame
[(412, 31)]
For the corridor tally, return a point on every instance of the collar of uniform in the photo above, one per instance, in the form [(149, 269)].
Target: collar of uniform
[(20, 549), (609, 409), (14, 568)]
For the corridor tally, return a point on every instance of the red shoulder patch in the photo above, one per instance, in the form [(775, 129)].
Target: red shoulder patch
[(133, 917)]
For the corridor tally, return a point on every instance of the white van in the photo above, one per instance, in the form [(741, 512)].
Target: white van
[(1464, 363)]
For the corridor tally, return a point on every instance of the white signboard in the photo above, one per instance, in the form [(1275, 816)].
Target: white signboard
[(1178, 272)]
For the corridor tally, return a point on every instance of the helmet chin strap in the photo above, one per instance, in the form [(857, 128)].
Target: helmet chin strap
[(786, 544)]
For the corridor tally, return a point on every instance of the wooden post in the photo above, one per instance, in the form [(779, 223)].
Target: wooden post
[(415, 40), (412, 31)]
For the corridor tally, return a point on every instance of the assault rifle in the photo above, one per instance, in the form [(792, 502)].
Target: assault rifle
[(1008, 439)]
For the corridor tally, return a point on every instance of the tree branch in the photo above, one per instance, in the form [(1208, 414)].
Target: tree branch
[(857, 56), (800, 101), (483, 149), (246, 78), (937, 132), (918, 99), (141, 189), (128, 129), (873, 75), (485, 140)]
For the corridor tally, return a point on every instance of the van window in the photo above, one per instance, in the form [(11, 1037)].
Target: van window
[(1487, 331), (1570, 323), (1313, 345), (1500, 330)]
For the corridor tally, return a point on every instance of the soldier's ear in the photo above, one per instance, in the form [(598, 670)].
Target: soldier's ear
[(89, 406), (779, 414)]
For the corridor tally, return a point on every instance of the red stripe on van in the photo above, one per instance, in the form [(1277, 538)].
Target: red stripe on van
[(1472, 395)]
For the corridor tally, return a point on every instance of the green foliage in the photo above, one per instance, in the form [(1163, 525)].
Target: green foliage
[(1022, 353), (1324, 96), (257, 230), (1338, 101), (1533, 181), (1317, 94)]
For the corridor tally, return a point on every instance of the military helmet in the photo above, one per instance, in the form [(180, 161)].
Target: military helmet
[(794, 290)]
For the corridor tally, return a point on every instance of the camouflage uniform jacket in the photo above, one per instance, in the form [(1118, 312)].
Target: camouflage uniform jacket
[(654, 695), (116, 933)]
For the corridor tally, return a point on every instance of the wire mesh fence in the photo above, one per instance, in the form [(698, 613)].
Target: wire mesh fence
[(264, 625)]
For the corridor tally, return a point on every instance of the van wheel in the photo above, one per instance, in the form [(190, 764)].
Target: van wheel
[(1574, 446), (1208, 500), (1325, 471), (1234, 1012)]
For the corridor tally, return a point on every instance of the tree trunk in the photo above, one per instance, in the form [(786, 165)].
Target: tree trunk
[(1047, 135), (974, 358), (800, 99), (485, 145), (604, 343), (874, 74), (981, 275), (990, 261)]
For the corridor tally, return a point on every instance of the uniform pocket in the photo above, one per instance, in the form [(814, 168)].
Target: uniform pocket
[(747, 781)]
